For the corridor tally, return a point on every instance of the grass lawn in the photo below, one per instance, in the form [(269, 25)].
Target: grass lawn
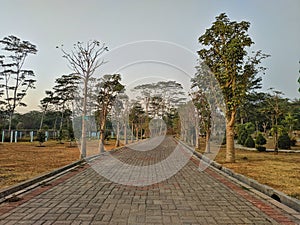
[(25, 160), (281, 171)]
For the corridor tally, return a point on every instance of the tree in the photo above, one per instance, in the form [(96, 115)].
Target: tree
[(136, 114), (84, 60), (44, 105), (289, 121), (16, 80), (64, 93), (159, 100), (277, 106), (107, 89), (119, 117), (235, 70), (203, 117)]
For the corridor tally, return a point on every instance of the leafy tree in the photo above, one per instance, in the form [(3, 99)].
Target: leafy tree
[(289, 121), (84, 60), (242, 136), (44, 105), (136, 115), (15, 79), (107, 89), (64, 93), (119, 117), (30, 120), (277, 106), (159, 99), (244, 131), (203, 117), (235, 70)]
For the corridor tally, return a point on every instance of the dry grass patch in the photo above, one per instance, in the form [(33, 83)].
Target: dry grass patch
[(22, 161), (281, 171)]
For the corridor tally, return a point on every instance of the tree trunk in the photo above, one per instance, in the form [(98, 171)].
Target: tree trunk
[(230, 151), (276, 142), (101, 141), (137, 133), (132, 132), (118, 135), (276, 136), (207, 141), (83, 123), (61, 120), (9, 124), (42, 119), (125, 134), (197, 142), (102, 136)]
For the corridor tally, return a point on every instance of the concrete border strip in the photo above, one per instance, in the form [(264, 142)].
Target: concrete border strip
[(30, 184), (275, 197)]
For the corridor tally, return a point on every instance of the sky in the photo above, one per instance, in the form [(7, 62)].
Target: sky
[(150, 40)]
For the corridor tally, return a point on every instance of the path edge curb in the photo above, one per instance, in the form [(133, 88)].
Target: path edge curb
[(21, 187), (265, 189)]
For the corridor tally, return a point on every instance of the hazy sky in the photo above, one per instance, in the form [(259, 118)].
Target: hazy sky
[(170, 27)]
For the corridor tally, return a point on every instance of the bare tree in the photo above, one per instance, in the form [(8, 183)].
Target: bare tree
[(84, 60)]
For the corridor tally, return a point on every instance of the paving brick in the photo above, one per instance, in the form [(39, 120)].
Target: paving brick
[(189, 197)]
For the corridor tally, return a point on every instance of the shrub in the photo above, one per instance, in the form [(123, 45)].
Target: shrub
[(60, 136), (284, 141), (261, 148), (249, 142), (293, 142), (260, 140), (71, 135), (242, 136), (41, 137)]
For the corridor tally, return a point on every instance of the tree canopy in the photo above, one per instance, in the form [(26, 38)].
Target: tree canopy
[(225, 53)]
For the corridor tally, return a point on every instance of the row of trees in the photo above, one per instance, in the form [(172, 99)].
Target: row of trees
[(224, 87)]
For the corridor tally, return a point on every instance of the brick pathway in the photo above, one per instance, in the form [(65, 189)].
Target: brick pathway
[(189, 197)]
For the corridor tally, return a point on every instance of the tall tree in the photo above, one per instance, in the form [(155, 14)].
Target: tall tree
[(136, 115), (226, 56), (15, 79), (277, 106), (203, 118), (84, 60), (65, 92), (107, 89), (45, 102)]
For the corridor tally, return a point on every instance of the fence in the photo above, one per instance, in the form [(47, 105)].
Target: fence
[(31, 135)]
